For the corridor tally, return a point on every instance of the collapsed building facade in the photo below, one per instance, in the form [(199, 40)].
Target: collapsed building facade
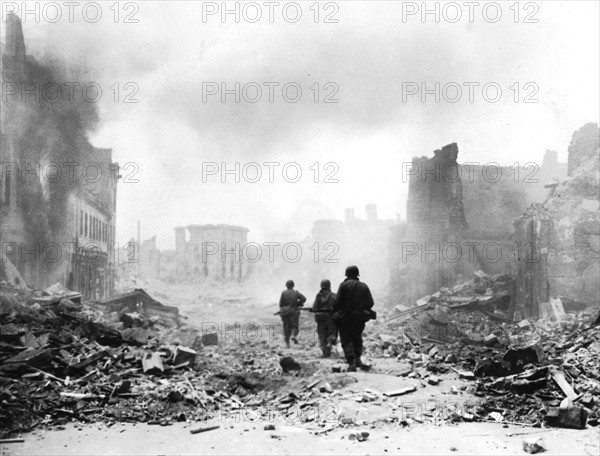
[(57, 191), (461, 219), (142, 260), (150, 258), (212, 251)]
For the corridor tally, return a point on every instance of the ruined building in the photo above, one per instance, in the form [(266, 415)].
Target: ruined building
[(150, 257), (460, 219), (352, 241), (435, 220), (141, 260), (57, 191), (212, 251), (561, 257)]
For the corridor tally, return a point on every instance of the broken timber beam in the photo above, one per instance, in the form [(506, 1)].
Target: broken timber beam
[(561, 381)]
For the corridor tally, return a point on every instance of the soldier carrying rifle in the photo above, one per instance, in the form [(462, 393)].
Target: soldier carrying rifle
[(352, 309), (289, 309), (326, 328)]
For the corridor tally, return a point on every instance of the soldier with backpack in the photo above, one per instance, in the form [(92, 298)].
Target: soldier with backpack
[(352, 309), (326, 328)]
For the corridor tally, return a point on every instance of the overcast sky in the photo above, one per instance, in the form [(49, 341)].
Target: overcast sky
[(366, 56)]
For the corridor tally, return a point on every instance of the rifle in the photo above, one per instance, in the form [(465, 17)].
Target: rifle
[(372, 313), (309, 309)]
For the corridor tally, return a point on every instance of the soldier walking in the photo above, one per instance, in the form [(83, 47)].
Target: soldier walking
[(352, 309), (289, 308), (323, 308)]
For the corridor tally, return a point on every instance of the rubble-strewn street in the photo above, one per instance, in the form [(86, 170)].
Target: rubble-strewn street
[(98, 369)]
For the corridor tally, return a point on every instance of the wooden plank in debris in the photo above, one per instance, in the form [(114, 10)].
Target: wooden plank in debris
[(195, 393), (152, 363), (463, 374), (325, 430), (400, 392), (34, 358), (204, 429), (408, 312), (82, 396), (433, 341), (313, 384), (49, 375), (90, 359), (563, 384)]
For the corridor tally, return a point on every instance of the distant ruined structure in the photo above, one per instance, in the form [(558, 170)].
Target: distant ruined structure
[(352, 241), (211, 251)]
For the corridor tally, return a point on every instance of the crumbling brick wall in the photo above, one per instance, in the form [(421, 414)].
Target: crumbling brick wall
[(574, 207)]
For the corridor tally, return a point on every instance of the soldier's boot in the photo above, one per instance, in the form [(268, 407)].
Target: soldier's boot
[(351, 365), (361, 365)]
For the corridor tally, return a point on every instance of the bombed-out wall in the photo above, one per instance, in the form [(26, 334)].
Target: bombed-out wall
[(435, 225), (460, 219)]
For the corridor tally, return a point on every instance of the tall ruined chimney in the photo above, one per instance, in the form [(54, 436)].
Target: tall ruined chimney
[(13, 57), (14, 41), (371, 210), (550, 158)]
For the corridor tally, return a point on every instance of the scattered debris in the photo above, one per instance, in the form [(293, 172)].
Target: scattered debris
[(534, 445), (210, 339), (288, 364), (400, 392), (359, 436), (204, 429), (138, 306), (433, 380), (12, 440), (567, 415)]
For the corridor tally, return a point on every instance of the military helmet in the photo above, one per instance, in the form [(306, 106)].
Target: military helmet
[(352, 271)]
